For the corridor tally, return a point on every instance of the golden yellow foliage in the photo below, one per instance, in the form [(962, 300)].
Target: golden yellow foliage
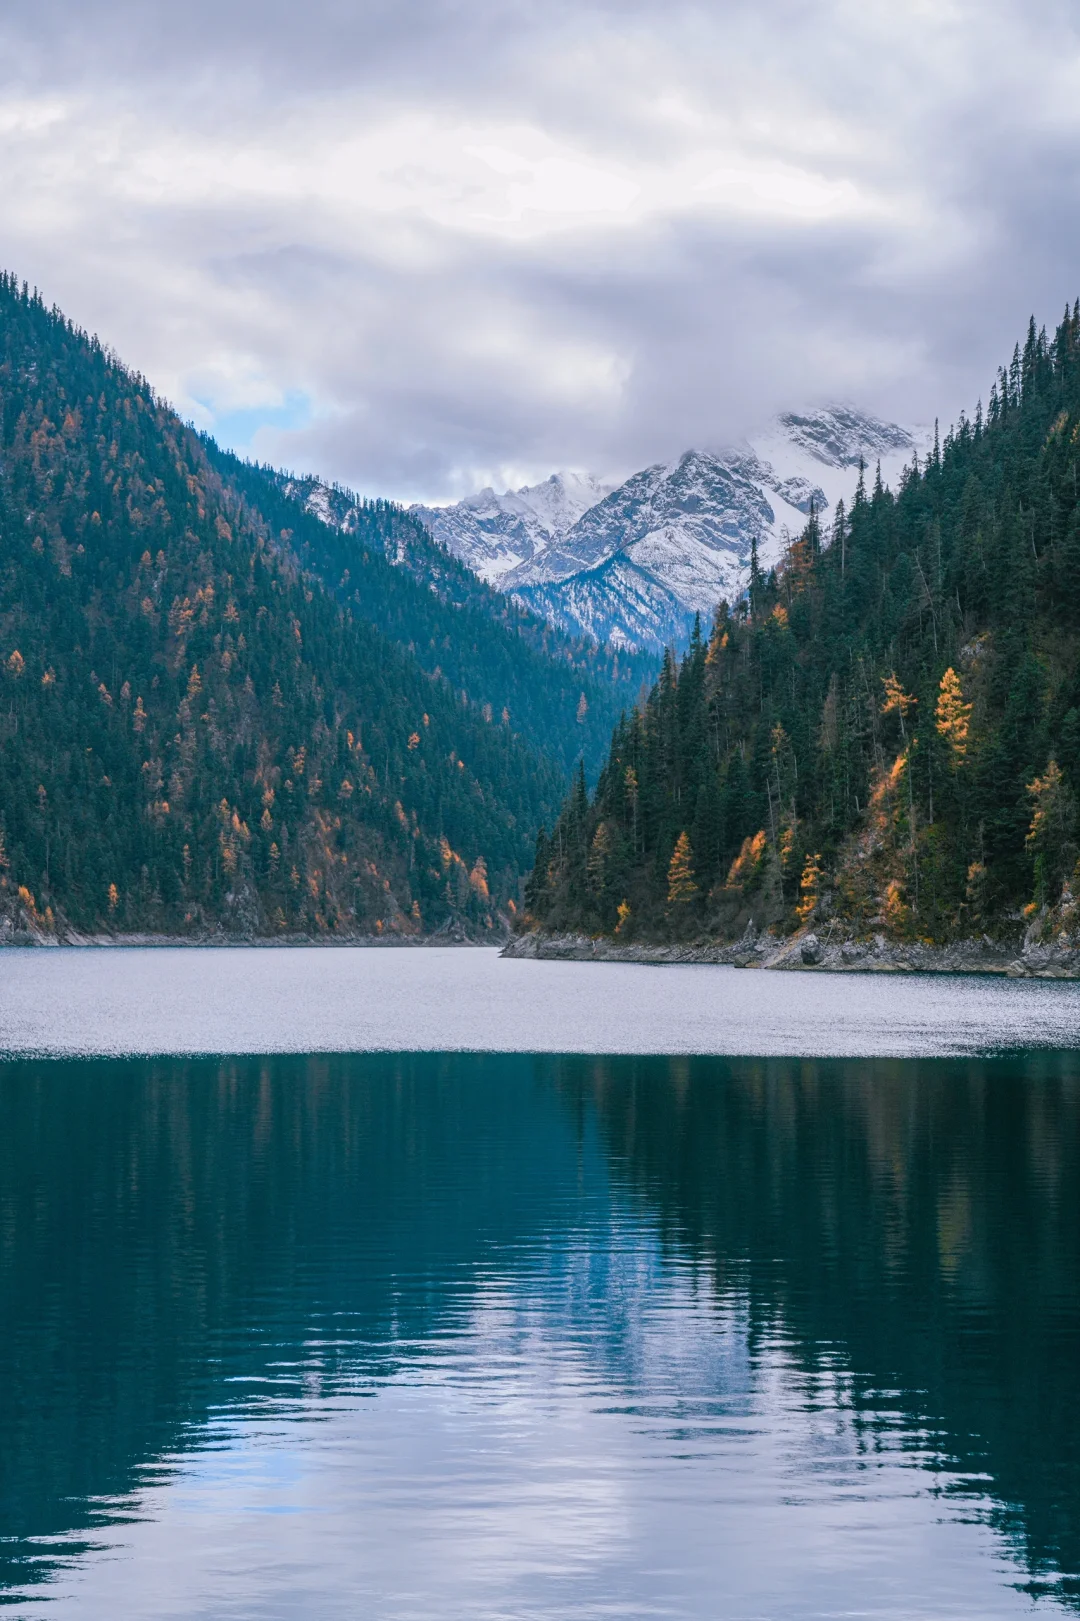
[(748, 863), (952, 716), (887, 783), (1051, 801), (894, 908), (809, 888), (897, 701), (681, 885)]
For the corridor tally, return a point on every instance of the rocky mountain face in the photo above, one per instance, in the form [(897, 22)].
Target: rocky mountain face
[(631, 566), (563, 693), (494, 534)]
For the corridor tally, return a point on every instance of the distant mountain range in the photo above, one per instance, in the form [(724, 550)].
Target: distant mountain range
[(630, 566)]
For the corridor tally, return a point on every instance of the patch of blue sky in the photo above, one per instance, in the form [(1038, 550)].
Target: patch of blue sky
[(238, 429)]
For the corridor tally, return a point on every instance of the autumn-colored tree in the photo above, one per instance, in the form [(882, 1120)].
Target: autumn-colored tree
[(1050, 835), (894, 908), (478, 878), (952, 716), (623, 914), (810, 888), (897, 702), (682, 886), (748, 864)]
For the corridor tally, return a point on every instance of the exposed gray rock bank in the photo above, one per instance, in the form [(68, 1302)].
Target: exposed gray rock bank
[(824, 953), (10, 936)]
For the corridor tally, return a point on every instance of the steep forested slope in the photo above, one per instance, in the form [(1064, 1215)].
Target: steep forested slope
[(193, 730), (887, 733), (562, 696)]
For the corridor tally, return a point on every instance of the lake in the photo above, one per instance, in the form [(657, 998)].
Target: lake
[(412, 1283)]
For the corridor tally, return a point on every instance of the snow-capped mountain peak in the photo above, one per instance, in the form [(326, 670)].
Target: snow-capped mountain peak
[(634, 564), (838, 436), (494, 533)]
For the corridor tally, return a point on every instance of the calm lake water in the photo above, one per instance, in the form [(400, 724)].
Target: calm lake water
[(496, 1334)]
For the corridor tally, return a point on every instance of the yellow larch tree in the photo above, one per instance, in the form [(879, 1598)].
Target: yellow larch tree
[(681, 884), (952, 716), (897, 701), (809, 888)]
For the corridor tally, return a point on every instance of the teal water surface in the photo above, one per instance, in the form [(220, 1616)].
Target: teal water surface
[(509, 1335)]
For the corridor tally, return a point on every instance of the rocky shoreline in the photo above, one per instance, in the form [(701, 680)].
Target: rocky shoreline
[(71, 938), (1022, 958)]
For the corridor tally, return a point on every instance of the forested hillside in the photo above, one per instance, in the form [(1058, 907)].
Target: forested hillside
[(886, 735), (562, 696), (194, 731)]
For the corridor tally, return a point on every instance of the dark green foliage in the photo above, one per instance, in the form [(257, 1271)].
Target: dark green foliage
[(382, 562), (194, 730), (783, 727)]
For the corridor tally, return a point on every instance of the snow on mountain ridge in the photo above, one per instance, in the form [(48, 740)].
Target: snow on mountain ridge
[(634, 563), (494, 534), (838, 436)]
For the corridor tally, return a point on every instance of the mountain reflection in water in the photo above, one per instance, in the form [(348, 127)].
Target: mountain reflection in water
[(477, 1335)]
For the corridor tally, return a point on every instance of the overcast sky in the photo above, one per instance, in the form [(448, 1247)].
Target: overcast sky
[(423, 245)]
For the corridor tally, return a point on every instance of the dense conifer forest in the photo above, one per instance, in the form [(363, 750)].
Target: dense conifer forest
[(885, 735), (383, 563), (216, 712)]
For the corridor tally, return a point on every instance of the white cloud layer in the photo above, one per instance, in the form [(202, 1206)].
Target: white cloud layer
[(424, 245)]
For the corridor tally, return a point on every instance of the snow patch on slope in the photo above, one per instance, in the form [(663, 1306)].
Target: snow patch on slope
[(632, 565), (494, 534)]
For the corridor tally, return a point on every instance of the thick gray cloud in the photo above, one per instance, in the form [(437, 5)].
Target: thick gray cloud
[(419, 245)]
